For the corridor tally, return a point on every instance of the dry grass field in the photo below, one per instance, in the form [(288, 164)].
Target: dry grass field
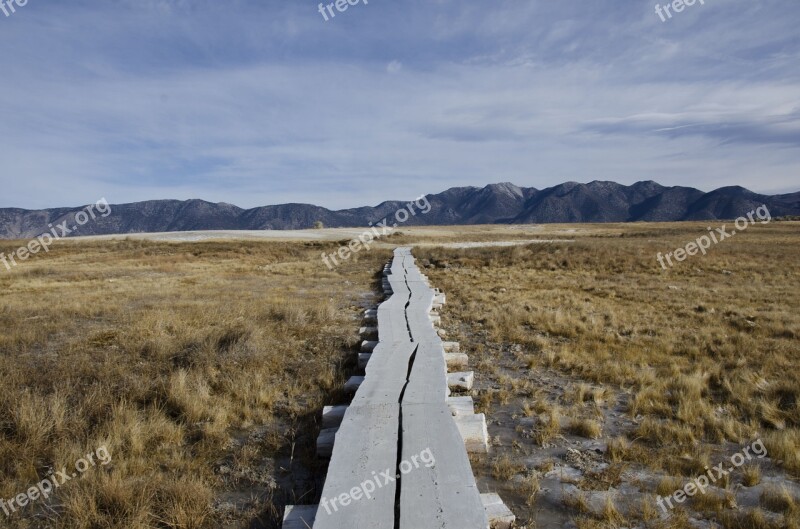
[(203, 367), (668, 371)]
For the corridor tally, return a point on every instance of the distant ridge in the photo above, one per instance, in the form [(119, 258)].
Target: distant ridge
[(502, 203)]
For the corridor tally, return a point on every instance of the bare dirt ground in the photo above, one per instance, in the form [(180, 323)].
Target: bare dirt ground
[(428, 235)]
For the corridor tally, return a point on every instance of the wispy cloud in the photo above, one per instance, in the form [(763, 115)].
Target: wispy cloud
[(262, 102), (724, 127)]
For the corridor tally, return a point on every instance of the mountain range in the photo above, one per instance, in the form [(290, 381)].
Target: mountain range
[(502, 203)]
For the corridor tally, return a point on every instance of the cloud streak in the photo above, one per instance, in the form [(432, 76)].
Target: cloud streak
[(263, 102)]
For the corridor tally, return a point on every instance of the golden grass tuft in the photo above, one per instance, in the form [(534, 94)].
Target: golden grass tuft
[(752, 519), (589, 428), (548, 425), (751, 475), (779, 499), (503, 468), (530, 487)]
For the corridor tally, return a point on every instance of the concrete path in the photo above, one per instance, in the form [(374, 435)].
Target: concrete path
[(399, 458)]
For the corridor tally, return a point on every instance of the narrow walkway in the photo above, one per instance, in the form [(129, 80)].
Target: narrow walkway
[(399, 460)]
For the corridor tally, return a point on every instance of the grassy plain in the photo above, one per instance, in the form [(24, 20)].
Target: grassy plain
[(669, 370), (203, 367)]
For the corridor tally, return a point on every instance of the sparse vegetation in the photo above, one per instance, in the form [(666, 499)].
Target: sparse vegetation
[(504, 469), (700, 358), (548, 426), (530, 487), (751, 475), (780, 500), (202, 368), (588, 428)]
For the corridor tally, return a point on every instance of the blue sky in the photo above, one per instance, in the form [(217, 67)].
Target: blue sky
[(264, 102)]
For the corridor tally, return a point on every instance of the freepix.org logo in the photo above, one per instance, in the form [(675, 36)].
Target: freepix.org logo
[(377, 481), (340, 5), (677, 7), (9, 7), (44, 241)]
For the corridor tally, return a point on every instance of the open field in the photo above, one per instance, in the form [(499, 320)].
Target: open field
[(424, 235), (610, 380), (203, 366)]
